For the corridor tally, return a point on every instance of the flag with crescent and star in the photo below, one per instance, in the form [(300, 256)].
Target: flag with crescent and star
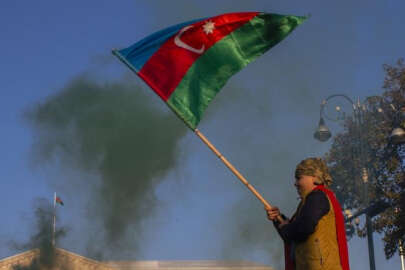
[(187, 64)]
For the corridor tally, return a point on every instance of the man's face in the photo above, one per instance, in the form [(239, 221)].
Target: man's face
[(304, 184)]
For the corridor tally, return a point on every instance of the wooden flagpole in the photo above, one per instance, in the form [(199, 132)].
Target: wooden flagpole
[(232, 168)]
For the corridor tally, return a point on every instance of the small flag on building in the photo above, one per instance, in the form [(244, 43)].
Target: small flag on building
[(59, 200)]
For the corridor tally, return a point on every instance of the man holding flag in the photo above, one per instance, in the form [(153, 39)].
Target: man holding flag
[(315, 236)]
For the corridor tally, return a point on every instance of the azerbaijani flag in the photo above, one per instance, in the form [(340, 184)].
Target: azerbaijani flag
[(187, 64), (59, 200)]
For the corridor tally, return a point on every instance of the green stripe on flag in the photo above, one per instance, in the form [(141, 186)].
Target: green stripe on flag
[(212, 70)]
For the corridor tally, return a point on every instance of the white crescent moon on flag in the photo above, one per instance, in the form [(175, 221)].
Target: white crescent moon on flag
[(183, 45)]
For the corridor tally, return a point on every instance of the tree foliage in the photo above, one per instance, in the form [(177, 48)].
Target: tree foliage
[(363, 152)]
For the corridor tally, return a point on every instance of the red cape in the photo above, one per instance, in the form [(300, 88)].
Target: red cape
[(340, 233)]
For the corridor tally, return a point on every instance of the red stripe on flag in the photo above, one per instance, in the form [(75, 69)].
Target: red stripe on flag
[(166, 68)]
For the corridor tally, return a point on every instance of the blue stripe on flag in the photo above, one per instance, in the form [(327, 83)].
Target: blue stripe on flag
[(139, 53)]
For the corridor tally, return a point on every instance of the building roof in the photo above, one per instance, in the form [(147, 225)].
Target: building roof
[(194, 265), (68, 260)]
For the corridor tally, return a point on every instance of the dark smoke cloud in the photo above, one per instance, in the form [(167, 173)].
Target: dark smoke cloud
[(122, 143), (42, 238)]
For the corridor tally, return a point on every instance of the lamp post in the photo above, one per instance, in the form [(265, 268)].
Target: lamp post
[(323, 134), (402, 253), (401, 248)]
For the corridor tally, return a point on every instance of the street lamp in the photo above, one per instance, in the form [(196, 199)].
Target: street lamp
[(401, 247), (397, 136), (322, 133)]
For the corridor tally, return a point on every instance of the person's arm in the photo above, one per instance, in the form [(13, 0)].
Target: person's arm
[(274, 215), (277, 223), (315, 207)]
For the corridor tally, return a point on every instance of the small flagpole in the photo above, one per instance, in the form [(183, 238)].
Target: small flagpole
[(234, 171), (54, 219)]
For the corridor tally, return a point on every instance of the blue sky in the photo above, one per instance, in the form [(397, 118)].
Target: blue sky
[(262, 121)]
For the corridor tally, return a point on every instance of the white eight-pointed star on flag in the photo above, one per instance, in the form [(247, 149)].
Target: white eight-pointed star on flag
[(208, 27)]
